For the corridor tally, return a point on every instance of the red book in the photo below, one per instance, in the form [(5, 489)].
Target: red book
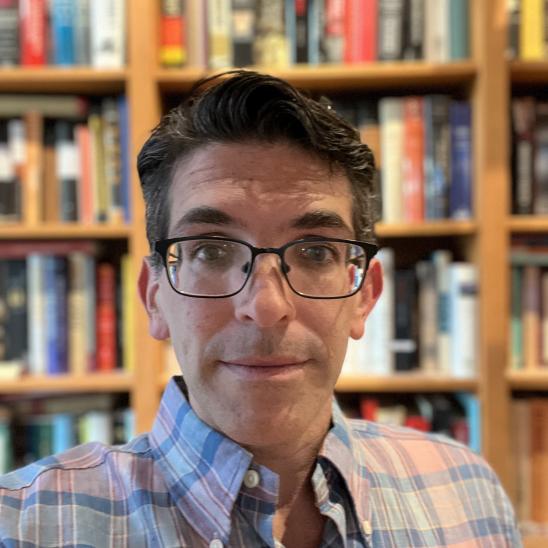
[(106, 317), (172, 34), (33, 40), (360, 30), (368, 408), (418, 423), (86, 207), (413, 159)]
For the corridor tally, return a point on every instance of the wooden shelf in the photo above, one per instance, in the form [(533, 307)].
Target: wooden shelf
[(405, 382), (528, 223), (535, 542), (62, 80), (528, 380), (529, 72), (63, 231), (363, 76), (426, 229), (97, 382)]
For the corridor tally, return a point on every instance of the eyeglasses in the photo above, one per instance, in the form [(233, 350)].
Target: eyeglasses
[(214, 267)]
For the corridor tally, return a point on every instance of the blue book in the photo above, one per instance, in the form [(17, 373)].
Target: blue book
[(63, 432), (62, 14), (315, 18), (471, 406), (458, 29), (125, 172), (291, 29), (460, 191)]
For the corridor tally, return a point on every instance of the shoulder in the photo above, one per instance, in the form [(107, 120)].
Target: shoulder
[(60, 471)]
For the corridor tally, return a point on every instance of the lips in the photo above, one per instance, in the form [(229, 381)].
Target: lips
[(270, 361)]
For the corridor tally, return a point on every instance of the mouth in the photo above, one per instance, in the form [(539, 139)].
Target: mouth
[(263, 368)]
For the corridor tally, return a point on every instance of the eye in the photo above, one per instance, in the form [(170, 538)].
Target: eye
[(318, 253), (209, 252)]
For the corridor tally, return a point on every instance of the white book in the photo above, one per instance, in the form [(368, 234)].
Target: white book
[(375, 355), (436, 30), (36, 314), (107, 33), (441, 260), (391, 123), (219, 24), (196, 18), (428, 316), (96, 426), (463, 318)]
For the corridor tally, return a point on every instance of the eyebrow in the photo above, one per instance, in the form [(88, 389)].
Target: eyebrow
[(212, 216), (320, 219)]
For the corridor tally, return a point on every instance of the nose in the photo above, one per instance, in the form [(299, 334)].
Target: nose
[(266, 300)]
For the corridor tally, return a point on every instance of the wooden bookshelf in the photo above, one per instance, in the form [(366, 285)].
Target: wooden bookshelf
[(528, 223), (528, 380), (535, 542), (405, 382), (64, 231), (94, 382), (360, 77), (426, 229), (528, 72), (62, 80)]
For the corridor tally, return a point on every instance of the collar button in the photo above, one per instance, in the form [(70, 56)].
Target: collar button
[(367, 527), (216, 543), (252, 479)]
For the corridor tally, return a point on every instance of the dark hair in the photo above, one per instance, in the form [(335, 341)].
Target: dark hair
[(239, 106)]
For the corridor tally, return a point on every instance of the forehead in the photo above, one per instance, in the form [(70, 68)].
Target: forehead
[(246, 178)]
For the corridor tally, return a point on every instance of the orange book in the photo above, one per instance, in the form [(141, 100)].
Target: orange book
[(413, 159), (172, 34), (32, 192), (106, 317), (86, 191), (531, 317)]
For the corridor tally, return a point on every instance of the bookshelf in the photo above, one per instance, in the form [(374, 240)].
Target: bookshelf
[(487, 79)]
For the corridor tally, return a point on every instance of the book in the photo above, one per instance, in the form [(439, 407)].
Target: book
[(404, 344), (392, 135), (31, 196), (82, 36), (51, 189), (441, 260), (112, 160), (460, 191), (18, 153), (520, 417), (413, 30), (5, 441), (243, 32), (172, 33), (32, 32), (523, 119), (197, 39), (125, 155), (271, 45), (106, 358), (531, 34), (413, 160), (436, 31), (86, 207), (334, 35), (539, 459), (540, 162), (219, 24), (67, 171), (316, 30), (513, 15), (516, 323), (9, 33), (37, 319), (297, 29), (390, 29), (463, 319), (62, 31), (9, 185), (531, 316), (50, 106), (128, 313), (427, 312), (108, 35), (457, 23)]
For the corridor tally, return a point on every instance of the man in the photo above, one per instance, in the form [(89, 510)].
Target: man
[(259, 210)]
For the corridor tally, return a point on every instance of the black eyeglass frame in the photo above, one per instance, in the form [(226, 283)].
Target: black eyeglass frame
[(161, 247)]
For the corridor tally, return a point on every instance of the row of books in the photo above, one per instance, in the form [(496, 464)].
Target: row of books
[(527, 29), (34, 429), (64, 310), (278, 33), (426, 319), (529, 303), (63, 158), (62, 32), (530, 156), (423, 149), (456, 416), (530, 434)]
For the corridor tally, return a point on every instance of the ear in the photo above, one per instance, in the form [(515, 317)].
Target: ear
[(368, 296), (149, 288)]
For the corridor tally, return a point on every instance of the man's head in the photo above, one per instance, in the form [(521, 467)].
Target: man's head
[(252, 160)]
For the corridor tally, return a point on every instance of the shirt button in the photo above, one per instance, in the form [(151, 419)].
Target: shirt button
[(252, 479), (216, 543), (367, 527)]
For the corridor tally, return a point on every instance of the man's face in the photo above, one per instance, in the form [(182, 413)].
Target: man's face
[(265, 356)]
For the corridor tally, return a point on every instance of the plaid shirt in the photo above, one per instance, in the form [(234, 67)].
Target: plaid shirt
[(184, 484)]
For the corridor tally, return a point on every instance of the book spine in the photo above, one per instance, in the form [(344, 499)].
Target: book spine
[(33, 45), (544, 318), (413, 29), (457, 24), (370, 31), (539, 460), (98, 179), (172, 33), (391, 122), (32, 196), (77, 354), (16, 301), (390, 30), (531, 317), (9, 33), (62, 18), (128, 313), (219, 32), (427, 312), (315, 31), (513, 9), (197, 39), (271, 46), (516, 324), (36, 314), (413, 159), (405, 341), (540, 163), (460, 191), (67, 170), (111, 158), (532, 30), (85, 191), (107, 24), (82, 37), (9, 186), (334, 31), (17, 144), (441, 260), (243, 32), (106, 317), (125, 154)]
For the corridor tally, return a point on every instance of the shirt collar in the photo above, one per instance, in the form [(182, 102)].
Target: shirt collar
[(204, 470)]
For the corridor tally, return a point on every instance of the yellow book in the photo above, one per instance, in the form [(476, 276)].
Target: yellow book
[(532, 30), (128, 314)]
